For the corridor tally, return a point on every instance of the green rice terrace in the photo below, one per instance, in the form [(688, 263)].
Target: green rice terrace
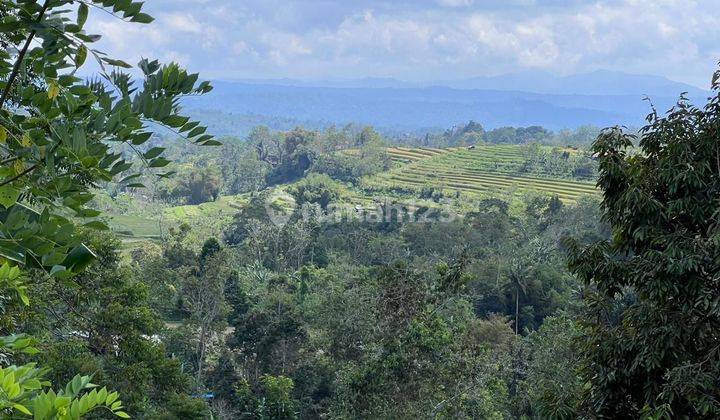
[(483, 170), (475, 171)]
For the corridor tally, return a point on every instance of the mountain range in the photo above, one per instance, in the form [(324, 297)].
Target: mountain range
[(600, 98)]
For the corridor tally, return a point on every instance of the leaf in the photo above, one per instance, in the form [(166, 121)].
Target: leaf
[(3, 134), (21, 408), (53, 89), (12, 253), (153, 153), (25, 140), (158, 162), (82, 14), (97, 225), (57, 269), (9, 195), (142, 18), (79, 142), (118, 63), (80, 257), (122, 414), (19, 166), (23, 297), (80, 56)]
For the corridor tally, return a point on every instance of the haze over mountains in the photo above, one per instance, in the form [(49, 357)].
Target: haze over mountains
[(600, 98)]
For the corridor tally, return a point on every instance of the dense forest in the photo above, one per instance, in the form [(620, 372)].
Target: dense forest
[(514, 272)]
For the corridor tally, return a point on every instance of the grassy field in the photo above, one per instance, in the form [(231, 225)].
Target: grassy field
[(209, 217), (485, 169)]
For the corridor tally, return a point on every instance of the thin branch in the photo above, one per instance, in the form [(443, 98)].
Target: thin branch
[(20, 175), (21, 57), (9, 160), (28, 170)]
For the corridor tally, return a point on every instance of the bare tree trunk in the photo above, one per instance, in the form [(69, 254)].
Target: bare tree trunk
[(517, 308), (201, 355)]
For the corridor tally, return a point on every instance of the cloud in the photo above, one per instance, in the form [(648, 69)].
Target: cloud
[(425, 39)]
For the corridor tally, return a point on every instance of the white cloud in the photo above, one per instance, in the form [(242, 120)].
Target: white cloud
[(181, 22), (426, 39)]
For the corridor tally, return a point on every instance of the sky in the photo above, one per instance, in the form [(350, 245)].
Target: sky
[(422, 40)]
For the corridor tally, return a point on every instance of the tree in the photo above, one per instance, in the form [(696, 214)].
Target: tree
[(59, 137), (199, 185), (652, 343), (289, 154), (316, 189), (103, 324), (204, 292), (552, 382)]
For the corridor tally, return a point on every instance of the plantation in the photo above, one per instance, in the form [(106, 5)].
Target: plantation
[(487, 169)]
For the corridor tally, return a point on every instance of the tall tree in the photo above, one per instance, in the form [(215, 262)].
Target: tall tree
[(653, 344), (59, 137)]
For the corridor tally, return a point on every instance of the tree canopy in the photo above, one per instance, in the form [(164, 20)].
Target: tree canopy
[(652, 347)]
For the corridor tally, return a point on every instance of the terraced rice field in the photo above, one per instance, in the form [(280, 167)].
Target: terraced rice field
[(407, 155), (482, 170)]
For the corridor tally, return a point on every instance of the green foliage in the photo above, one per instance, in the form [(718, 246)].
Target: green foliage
[(59, 137), (366, 158), (316, 189), (192, 185), (277, 402), (289, 154), (651, 346), (22, 393), (241, 169), (553, 382), (105, 327)]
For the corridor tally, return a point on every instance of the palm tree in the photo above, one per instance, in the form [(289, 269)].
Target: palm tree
[(518, 276)]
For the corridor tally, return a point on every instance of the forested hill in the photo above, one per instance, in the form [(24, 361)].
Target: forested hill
[(241, 105)]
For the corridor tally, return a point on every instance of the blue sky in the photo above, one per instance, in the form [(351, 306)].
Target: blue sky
[(423, 40)]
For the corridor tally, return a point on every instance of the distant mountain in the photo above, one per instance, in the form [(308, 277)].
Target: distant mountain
[(600, 98), (601, 82)]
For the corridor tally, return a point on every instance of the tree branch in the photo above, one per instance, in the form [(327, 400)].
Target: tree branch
[(20, 175), (21, 56)]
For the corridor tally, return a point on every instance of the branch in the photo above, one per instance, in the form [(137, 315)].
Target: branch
[(20, 175), (21, 57), (28, 170), (9, 160)]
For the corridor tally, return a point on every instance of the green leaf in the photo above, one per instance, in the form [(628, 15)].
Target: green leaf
[(9, 195), (21, 408), (79, 142), (122, 414), (153, 153), (158, 162), (80, 56), (142, 18), (118, 63), (211, 143), (80, 257), (57, 269), (97, 225), (13, 252), (82, 14)]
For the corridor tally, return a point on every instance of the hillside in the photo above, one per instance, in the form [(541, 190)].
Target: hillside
[(481, 170), (467, 173)]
